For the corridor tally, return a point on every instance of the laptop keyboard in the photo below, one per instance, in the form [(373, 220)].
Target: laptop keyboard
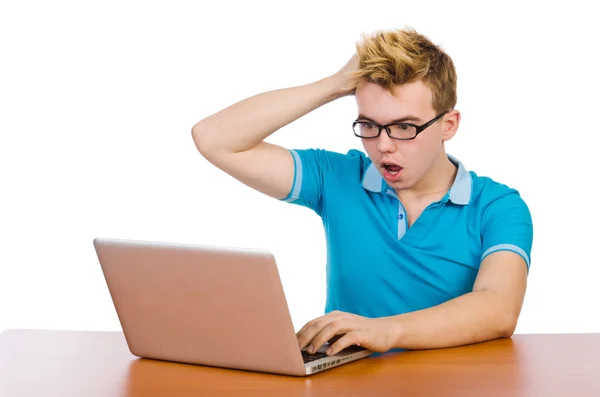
[(307, 357)]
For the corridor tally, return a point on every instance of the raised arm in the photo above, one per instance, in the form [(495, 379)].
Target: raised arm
[(233, 139)]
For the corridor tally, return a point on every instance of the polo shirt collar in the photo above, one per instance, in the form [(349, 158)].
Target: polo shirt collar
[(460, 191)]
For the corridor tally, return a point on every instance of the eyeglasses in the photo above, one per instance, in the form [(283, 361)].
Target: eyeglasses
[(400, 131)]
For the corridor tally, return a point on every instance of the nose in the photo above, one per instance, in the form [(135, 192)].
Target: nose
[(385, 144)]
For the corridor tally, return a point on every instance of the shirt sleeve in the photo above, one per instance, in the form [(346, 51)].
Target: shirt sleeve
[(309, 168), (508, 226)]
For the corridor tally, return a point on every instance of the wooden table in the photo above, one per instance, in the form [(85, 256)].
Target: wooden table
[(88, 364)]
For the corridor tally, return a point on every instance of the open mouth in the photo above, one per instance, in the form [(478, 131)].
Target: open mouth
[(393, 169)]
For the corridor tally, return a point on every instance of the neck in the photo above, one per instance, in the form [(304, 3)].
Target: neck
[(436, 182)]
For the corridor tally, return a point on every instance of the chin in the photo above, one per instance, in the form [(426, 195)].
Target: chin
[(400, 185)]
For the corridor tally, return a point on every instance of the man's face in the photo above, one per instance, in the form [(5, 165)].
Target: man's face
[(413, 158)]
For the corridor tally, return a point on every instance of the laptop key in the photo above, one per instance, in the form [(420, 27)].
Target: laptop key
[(307, 357)]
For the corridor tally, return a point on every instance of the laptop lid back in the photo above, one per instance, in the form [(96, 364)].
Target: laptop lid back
[(217, 306)]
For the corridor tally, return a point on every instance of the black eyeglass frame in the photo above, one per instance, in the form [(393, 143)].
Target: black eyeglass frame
[(419, 128)]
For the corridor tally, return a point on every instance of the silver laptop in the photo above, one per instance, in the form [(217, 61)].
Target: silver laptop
[(206, 305)]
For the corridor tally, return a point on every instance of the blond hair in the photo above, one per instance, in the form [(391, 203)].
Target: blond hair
[(395, 57)]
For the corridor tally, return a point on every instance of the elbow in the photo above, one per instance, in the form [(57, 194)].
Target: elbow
[(507, 332), (508, 326), (207, 146), (199, 137)]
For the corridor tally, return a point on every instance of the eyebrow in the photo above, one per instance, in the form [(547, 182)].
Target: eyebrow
[(410, 117)]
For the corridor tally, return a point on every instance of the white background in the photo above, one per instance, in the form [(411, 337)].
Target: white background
[(97, 102)]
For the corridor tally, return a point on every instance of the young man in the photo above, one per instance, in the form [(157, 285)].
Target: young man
[(421, 252)]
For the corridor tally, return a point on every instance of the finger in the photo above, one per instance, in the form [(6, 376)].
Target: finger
[(308, 326), (334, 339), (312, 328), (313, 322), (351, 338), (307, 336), (310, 331), (335, 328)]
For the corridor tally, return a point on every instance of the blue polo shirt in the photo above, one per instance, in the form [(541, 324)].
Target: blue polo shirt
[(378, 266)]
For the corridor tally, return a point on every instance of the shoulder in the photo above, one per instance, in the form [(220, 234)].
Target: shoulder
[(332, 161), (495, 199), (487, 191), (505, 221), (330, 155)]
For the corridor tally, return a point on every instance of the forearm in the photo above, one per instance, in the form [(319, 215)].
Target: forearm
[(475, 317), (245, 124)]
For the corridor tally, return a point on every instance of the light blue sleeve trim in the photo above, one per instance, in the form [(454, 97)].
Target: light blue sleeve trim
[(507, 247), (297, 185)]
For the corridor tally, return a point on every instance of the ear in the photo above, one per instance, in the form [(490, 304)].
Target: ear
[(450, 124)]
